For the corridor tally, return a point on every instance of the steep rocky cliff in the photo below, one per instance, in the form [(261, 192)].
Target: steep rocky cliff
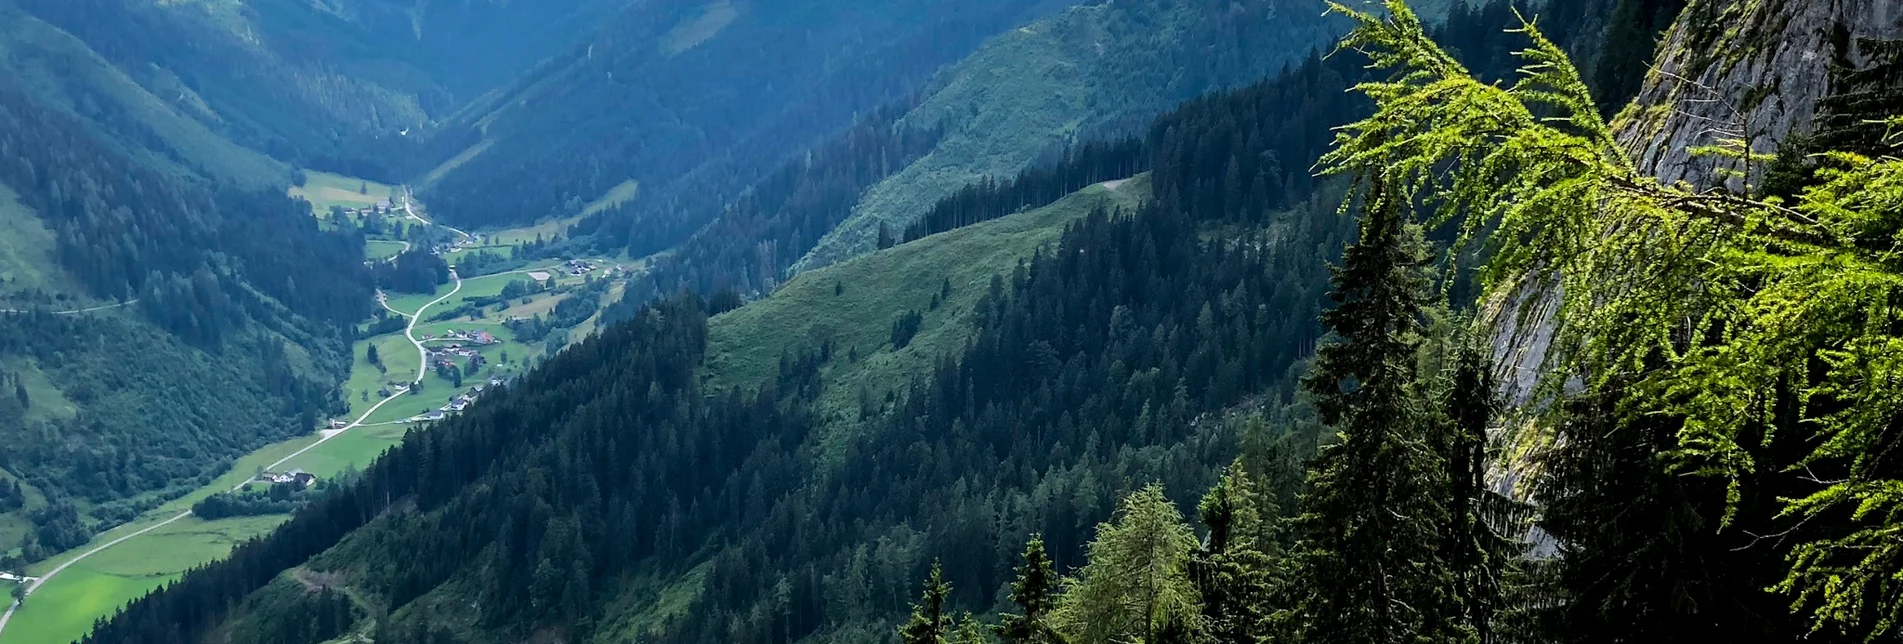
[(1767, 72), (1752, 70)]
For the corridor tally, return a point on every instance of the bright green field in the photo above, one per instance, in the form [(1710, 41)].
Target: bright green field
[(355, 448), (323, 190), (744, 346), (65, 608), (381, 248), (399, 359), (408, 303)]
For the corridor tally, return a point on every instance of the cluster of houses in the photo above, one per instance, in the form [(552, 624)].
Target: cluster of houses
[(463, 401), (483, 338), (383, 207), (578, 267), (447, 355), (460, 402), (470, 241), (300, 478)]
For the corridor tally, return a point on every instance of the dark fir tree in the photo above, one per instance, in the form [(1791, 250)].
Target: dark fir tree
[(1374, 514), (1032, 594), (930, 622), (1475, 549), (1234, 575)]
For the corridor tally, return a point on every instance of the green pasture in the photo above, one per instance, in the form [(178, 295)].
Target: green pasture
[(324, 189)]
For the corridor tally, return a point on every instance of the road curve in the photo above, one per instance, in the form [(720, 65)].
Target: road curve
[(422, 369)]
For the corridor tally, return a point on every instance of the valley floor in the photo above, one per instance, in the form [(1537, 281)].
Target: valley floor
[(76, 588)]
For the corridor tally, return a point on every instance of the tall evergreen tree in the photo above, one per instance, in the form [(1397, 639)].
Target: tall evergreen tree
[(1476, 552), (1032, 591), (929, 624), (1234, 576), (1373, 516)]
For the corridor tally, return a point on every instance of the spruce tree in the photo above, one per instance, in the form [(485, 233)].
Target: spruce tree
[(1234, 576), (1373, 517), (1477, 553), (1032, 591), (929, 623)]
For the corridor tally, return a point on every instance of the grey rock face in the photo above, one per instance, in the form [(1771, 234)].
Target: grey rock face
[(1752, 70)]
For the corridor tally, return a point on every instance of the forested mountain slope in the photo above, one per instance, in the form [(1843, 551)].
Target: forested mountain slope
[(694, 101), (61, 72), (347, 85), (171, 324), (1092, 71), (166, 307), (661, 483), (1039, 93)]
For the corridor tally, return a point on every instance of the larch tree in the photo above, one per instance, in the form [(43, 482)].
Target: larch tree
[(1136, 583), (1738, 318)]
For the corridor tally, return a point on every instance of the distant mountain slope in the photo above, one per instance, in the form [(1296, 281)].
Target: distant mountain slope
[(56, 69), (169, 308), (1081, 73), (853, 306), (1028, 95), (697, 100), (347, 85)]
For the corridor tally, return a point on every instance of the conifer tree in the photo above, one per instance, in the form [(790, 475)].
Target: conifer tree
[(1731, 336), (970, 630), (1137, 580), (929, 623), (1373, 517), (1474, 549), (1032, 591), (1234, 576)]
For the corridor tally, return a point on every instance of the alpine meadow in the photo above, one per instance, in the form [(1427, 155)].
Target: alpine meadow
[(951, 321)]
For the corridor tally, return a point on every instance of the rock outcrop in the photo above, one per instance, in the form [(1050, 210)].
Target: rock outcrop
[(1749, 70)]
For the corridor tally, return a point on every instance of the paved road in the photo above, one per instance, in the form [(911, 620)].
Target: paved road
[(422, 369), (323, 437), (407, 210), (422, 354)]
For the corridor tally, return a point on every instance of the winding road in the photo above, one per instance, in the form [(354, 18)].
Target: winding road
[(422, 369)]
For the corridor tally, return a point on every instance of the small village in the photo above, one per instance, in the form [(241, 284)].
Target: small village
[(460, 402), (446, 355), (300, 478)]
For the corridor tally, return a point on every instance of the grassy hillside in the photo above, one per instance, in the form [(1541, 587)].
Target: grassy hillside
[(853, 305), (56, 69), (29, 273), (1092, 69)]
